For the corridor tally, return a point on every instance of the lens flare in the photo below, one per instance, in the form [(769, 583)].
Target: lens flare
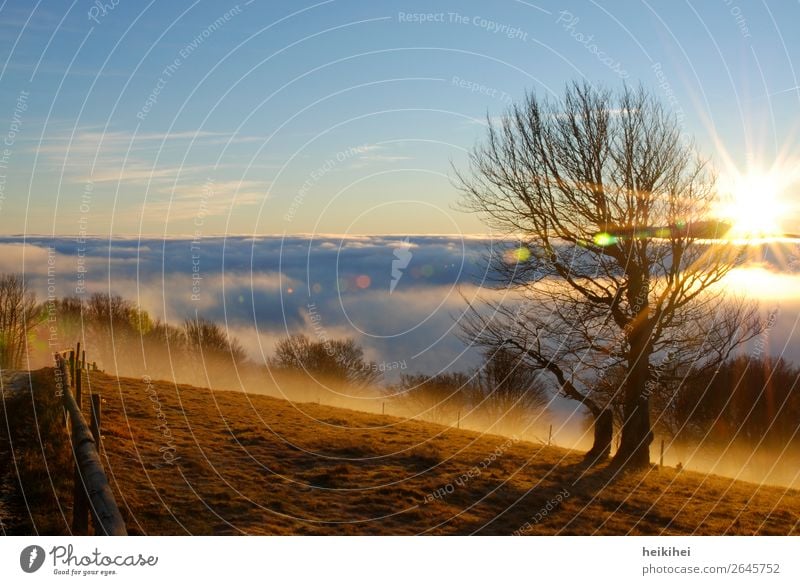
[(604, 239), (517, 255)]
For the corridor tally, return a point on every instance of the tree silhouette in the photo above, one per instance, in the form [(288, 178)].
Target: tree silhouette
[(209, 342), (337, 361), (438, 398), (511, 392), (19, 316)]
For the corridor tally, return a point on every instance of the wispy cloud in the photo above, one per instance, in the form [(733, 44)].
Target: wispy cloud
[(374, 154), (127, 158), (206, 199)]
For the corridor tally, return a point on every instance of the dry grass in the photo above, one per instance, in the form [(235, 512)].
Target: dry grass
[(249, 464), (35, 497)]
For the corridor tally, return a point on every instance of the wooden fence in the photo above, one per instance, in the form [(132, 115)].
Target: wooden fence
[(91, 491)]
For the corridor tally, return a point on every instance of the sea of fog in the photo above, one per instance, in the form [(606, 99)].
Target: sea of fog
[(400, 297)]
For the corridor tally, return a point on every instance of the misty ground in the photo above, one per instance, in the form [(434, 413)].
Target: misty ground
[(187, 460)]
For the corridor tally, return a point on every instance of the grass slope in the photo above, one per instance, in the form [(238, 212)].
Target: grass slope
[(189, 460)]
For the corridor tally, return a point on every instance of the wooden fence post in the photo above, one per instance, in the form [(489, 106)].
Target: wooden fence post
[(662, 454), (71, 365), (96, 419), (458, 423), (80, 502), (78, 383), (94, 427)]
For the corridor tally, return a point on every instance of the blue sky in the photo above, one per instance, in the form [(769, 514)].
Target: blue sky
[(343, 116)]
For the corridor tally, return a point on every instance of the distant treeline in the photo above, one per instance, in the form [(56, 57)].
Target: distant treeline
[(747, 400), (753, 401)]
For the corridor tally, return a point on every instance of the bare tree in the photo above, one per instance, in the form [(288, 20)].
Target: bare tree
[(20, 314), (511, 393), (438, 398), (114, 326), (580, 184), (338, 361), (209, 340)]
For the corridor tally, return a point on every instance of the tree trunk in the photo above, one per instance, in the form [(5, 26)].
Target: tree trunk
[(603, 434), (634, 447)]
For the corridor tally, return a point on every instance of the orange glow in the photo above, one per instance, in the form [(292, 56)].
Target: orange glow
[(758, 282), (753, 203)]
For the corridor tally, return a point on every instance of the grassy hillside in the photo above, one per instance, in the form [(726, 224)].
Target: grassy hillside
[(35, 497), (190, 460)]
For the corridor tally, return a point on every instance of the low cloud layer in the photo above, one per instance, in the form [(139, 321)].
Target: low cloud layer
[(400, 299)]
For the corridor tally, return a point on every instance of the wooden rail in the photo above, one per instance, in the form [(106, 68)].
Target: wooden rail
[(91, 492)]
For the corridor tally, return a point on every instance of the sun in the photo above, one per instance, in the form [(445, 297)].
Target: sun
[(752, 203)]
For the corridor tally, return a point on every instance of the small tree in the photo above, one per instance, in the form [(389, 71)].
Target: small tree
[(114, 327), (437, 398), (167, 354), (210, 341), (20, 314), (68, 320), (339, 361), (511, 392)]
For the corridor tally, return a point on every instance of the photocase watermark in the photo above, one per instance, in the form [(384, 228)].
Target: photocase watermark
[(402, 258), (194, 247), (492, 26), (385, 366), (317, 174), (83, 232), (569, 23), (31, 558), (472, 473), (184, 53), (672, 99), (487, 24), (168, 448), (14, 128), (322, 335), (51, 307), (760, 344), (319, 330), (669, 93), (479, 88), (552, 504), (94, 563), (101, 9), (741, 21), (59, 379), (658, 372), (51, 310), (65, 561)]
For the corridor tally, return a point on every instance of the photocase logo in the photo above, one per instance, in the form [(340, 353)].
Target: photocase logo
[(31, 558), (403, 255)]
